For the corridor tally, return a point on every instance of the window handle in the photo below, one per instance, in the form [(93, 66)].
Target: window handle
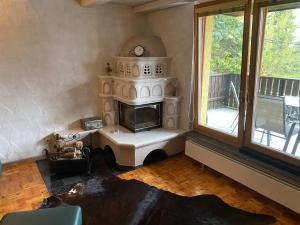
[(248, 97)]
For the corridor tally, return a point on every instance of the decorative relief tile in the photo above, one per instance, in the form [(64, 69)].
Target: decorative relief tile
[(109, 118), (142, 67), (133, 92), (157, 91), (109, 110), (147, 70), (137, 91), (135, 70), (171, 112)]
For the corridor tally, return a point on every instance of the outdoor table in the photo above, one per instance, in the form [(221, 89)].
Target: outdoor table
[(293, 105), (292, 101)]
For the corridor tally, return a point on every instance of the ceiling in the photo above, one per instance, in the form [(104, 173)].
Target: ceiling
[(141, 6), (131, 2)]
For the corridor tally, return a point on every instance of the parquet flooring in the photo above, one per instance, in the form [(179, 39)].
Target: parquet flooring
[(184, 176), (22, 188)]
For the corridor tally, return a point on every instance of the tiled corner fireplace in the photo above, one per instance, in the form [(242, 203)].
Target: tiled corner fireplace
[(139, 94), (138, 89), (140, 117)]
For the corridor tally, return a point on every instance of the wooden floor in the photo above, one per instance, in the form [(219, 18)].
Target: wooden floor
[(22, 188)]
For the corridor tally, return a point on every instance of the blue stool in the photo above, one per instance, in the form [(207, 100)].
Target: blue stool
[(67, 215)]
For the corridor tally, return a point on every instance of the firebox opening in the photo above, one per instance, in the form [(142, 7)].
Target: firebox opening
[(141, 117)]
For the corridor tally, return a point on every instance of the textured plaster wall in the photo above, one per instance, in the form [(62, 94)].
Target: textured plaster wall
[(51, 52), (175, 27)]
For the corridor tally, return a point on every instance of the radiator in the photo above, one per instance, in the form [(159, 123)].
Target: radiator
[(277, 190)]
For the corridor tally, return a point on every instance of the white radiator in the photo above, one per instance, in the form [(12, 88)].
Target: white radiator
[(277, 190)]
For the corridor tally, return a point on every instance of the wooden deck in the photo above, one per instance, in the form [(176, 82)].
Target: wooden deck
[(222, 118), (221, 94), (22, 187)]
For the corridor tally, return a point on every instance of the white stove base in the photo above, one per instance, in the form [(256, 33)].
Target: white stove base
[(131, 149)]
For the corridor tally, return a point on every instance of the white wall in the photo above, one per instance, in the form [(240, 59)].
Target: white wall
[(51, 52), (175, 27)]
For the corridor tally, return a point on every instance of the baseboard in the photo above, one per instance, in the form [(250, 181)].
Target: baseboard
[(271, 187), (31, 159)]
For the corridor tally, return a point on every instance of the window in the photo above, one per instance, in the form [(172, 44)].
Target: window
[(221, 37), (275, 110), (248, 99), (220, 80)]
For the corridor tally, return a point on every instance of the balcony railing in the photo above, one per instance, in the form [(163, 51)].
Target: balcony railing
[(221, 93)]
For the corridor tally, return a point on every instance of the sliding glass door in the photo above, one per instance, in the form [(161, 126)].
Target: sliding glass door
[(273, 111), (249, 96), (222, 35)]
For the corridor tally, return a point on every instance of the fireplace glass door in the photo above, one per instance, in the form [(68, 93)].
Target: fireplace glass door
[(141, 117)]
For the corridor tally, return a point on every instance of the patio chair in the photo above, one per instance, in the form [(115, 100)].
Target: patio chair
[(237, 101), (296, 144), (295, 148), (270, 115)]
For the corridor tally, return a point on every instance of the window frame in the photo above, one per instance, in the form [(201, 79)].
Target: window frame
[(252, 25), (259, 20), (239, 140)]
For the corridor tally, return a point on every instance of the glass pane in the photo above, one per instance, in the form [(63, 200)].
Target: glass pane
[(276, 111), (220, 72), (147, 116), (142, 117), (127, 115)]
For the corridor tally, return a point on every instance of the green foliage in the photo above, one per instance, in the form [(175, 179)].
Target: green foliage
[(227, 41), (281, 55), (281, 50)]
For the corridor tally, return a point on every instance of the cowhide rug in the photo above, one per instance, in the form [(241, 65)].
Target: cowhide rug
[(113, 201)]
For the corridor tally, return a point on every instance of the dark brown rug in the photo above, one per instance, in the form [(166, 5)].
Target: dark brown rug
[(109, 200)]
